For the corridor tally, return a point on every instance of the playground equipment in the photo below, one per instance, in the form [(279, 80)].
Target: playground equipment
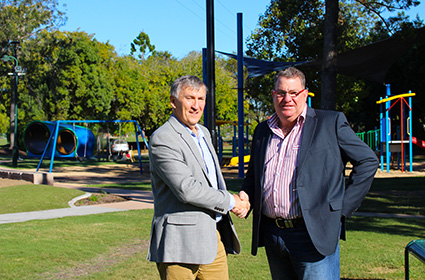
[(225, 161), (371, 138), (389, 145), (73, 140), (310, 95), (418, 142), (66, 139)]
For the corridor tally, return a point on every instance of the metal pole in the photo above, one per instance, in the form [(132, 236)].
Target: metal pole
[(205, 80), (240, 97), (381, 133), (211, 118), (410, 134), (15, 149), (402, 132), (388, 128)]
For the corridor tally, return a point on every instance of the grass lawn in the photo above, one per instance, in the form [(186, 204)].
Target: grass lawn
[(25, 198), (114, 245), (396, 195)]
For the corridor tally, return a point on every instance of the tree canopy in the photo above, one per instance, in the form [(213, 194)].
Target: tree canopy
[(291, 30), (70, 75)]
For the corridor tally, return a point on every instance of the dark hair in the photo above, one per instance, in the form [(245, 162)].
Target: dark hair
[(291, 72)]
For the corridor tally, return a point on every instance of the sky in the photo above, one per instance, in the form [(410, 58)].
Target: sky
[(176, 26)]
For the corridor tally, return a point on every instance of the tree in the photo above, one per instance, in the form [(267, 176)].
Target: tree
[(70, 77), (329, 55), (293, 30), (142, 45), (330, 40), (21, 20)]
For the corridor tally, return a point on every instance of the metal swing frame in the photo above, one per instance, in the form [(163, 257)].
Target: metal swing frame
[(54, 136)]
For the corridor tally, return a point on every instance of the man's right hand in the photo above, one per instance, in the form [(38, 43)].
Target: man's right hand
[(242, 205)]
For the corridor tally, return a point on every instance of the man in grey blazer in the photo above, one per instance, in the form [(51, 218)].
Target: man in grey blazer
[(191, 229), (296, 184)]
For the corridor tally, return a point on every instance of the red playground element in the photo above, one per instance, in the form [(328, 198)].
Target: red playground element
[(418, 142)]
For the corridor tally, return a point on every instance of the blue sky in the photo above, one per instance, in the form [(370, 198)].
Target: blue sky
[(176, 26)]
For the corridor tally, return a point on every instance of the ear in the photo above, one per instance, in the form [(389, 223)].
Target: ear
[(173, 101)]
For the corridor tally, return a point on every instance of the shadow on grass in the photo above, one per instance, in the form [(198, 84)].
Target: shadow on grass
[(390, 226), (396, 195), (400, 184)]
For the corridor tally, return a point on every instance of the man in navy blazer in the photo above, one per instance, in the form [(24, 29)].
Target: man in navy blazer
[(296, 183)]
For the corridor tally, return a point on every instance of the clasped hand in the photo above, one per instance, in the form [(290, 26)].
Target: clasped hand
[(242, 204)]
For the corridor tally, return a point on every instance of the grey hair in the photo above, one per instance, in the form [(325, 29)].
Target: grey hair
[(187, 82), (291, 72)]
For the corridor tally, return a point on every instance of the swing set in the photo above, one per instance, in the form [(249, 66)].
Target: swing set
[(81, 146)]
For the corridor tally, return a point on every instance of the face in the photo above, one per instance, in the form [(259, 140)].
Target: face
[(289, 108), (189, 106)]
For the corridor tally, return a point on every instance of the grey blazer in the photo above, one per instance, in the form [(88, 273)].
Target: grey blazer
[(185, 203)]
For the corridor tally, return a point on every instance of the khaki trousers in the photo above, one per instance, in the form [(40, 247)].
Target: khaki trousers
[(180, 271)]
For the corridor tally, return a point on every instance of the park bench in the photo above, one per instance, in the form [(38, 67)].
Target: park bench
[(416, 248)]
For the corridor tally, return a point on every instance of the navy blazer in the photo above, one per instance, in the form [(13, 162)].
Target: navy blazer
[(327, 144)]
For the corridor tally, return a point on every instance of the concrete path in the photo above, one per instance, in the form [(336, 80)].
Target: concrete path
[(78, 179), (55, 213), (139, 200)]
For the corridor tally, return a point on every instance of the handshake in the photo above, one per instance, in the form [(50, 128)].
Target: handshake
[(242, 204)]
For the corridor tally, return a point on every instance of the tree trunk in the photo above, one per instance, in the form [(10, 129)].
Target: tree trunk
[(328, 101)]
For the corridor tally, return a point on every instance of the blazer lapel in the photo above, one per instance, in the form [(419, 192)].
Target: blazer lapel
[(307, 135), (265, 135), (220, 180), (186, 137)]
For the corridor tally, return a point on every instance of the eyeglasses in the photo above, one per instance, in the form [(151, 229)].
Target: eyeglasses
[(282, 93)]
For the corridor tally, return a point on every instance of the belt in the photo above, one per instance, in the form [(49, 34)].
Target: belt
[(285, 223)]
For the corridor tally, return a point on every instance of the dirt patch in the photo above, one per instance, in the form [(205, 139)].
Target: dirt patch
[(101, 198), (11, 182), (100, 263)]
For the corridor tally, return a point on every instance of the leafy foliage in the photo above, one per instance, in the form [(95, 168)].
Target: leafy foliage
[(292, 30), (70, 75)]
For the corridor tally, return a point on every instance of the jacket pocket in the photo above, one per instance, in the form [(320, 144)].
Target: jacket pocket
[(336, 205), (182, 220)]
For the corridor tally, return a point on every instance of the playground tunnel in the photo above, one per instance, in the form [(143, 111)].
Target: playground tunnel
[(72, 140)]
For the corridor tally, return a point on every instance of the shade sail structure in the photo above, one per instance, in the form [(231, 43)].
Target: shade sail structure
[(259, 67), (370, 62)]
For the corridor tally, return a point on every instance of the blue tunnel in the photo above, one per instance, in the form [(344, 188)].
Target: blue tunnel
[(73, 141)]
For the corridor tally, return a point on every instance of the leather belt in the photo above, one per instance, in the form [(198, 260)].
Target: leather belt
[(286, 223)]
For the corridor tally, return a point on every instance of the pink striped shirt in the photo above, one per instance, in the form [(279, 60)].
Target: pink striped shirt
[(279, 194)]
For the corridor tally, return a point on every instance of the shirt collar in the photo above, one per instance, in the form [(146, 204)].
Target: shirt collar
[(200, 132)]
